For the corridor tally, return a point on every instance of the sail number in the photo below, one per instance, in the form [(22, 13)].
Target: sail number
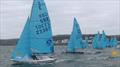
[(49, 42), (40, 5), (44, 20), (42, 28), (44, 23)]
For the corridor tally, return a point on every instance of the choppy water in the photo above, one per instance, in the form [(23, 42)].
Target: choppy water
[(66, 60)]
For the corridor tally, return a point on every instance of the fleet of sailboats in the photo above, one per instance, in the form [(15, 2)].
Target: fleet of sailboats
[(36, 44), (100, 41)]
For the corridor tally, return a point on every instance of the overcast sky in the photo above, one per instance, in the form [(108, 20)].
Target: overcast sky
[(92, 15)]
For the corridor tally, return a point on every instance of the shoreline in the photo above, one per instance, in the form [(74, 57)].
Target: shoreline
[(59, 40)]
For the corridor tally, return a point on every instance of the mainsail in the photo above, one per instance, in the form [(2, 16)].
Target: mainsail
[(23, 46), (103, 40), (40, 29), (100, 41), (96, 41), (75, 41), (108, 43)]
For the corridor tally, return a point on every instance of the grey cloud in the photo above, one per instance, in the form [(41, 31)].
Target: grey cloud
[(92, 15)]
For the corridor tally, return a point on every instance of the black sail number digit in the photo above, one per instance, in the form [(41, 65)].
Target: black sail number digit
[(49, 42), (39, 6)]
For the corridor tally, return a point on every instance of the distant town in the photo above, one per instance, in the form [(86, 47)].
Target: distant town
[(58, 39)]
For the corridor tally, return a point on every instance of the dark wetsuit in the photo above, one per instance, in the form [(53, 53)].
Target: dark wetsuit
[(34, 57)]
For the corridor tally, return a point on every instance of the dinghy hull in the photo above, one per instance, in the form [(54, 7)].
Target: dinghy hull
[(43, 60), (75, 52)]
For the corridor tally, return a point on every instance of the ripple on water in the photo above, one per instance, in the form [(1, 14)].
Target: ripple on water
[(65, 60)]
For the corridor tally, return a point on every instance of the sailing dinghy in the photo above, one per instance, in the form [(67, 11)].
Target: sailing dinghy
[(35, 45), (113, 42), (75, 41)]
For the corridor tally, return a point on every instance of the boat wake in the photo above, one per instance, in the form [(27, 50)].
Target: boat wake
[(63, 60)]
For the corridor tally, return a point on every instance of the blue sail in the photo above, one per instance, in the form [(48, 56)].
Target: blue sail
[(40, 28), (23, 46), (77, 34), (85, 43), (113, 42), (70, 46), (103, 40), (108, 42), (75, 41), (96, 41)]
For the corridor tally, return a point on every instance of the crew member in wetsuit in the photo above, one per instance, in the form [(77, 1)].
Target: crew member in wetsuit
[(34, 57)]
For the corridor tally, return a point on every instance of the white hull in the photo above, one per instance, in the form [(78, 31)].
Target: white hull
[(43, 60)]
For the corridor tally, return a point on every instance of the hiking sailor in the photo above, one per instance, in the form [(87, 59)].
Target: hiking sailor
[(34, 57)]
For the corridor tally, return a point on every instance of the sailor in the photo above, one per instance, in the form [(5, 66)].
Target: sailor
[(34, 57)]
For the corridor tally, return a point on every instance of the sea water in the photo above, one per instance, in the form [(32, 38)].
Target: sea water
[(66, 60)]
